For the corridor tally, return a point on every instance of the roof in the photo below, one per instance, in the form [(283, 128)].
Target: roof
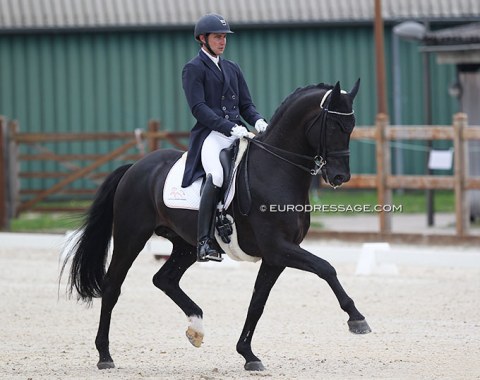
[(465, 34), (458, 45), (94, 14)]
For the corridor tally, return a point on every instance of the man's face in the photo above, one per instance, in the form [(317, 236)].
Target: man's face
[(217, 42)]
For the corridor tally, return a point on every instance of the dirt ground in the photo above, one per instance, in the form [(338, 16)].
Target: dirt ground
[(425, 323)]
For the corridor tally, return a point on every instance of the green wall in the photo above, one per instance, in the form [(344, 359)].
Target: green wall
[(117, 81)]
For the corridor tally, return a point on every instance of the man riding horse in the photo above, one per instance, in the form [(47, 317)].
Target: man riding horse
[(217, 95), (129, 205)]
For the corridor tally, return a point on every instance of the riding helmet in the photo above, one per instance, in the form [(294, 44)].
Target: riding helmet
[(211, 23)]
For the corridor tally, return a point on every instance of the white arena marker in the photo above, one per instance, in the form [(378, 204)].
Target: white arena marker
[(367, 262)]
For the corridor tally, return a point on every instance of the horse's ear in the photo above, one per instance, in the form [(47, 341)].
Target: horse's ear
[(354, 90), (335, 94), (336, 88)]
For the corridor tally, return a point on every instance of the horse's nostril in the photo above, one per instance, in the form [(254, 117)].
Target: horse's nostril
[(340, 179)]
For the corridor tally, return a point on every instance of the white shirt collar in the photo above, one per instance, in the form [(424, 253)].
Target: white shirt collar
[(214, 59)]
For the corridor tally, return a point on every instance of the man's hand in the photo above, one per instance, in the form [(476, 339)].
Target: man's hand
[(261, 125), (239, 131)]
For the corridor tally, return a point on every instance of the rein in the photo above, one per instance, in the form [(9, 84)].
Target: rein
[(318, 161)]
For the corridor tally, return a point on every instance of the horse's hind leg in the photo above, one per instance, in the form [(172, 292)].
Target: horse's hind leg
[(266, 278), (168, 278), (126, 249)]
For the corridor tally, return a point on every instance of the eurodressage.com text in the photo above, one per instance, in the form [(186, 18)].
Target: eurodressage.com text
[(338, 208)]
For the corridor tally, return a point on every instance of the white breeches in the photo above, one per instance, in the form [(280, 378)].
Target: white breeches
[(211, 148)]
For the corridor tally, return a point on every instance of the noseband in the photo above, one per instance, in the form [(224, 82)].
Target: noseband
[(320, 159)]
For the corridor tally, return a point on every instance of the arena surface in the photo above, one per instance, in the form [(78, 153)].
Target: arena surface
[(421, 303)]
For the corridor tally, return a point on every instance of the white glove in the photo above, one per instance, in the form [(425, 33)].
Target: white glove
[(261, 125), (239, 131)]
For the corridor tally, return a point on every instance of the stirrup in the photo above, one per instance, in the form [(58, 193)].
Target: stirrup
[(205, 252)]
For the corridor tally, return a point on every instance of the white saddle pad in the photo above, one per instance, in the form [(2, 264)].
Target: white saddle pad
[(175, 196)]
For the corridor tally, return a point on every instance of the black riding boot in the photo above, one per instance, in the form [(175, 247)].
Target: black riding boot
[(206, 247)]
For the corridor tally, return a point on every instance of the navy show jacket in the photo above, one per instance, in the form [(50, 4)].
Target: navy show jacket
[(217, 98)]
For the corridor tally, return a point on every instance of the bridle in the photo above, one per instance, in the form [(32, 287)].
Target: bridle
[(320, 159), (322, 153)]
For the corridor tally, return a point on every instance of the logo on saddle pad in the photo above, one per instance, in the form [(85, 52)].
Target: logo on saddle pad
[(177, 194)]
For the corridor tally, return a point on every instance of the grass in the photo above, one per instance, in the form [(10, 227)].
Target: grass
[(52, 222), (411, 202), (45, 222)]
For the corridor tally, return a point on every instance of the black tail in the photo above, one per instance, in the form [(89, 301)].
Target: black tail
[(90, 251)]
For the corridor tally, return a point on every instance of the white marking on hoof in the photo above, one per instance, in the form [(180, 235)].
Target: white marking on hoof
[(195, 331)]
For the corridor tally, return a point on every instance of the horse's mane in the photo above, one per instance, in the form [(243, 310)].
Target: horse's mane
[(280, 111)]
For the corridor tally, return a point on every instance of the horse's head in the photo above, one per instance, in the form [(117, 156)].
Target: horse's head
[(329, 133), (320, 117)]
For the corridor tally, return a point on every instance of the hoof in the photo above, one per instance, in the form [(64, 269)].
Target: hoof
[(105, 365), (254, 366), (359, 327), (194, 337)]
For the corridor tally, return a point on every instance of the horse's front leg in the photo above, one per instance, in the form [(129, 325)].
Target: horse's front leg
[(294, 256), (266, 278)]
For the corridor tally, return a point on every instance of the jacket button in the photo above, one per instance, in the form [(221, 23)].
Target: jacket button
[(224, 108), (227, 117), (233, 96)]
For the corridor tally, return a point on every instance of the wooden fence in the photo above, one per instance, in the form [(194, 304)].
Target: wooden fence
[(14, 200), (384, 182)]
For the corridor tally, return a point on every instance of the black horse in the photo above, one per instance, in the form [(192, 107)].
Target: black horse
[(309, 132)]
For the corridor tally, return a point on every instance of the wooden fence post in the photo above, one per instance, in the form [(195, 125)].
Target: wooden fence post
[(13, 185), (384, 194), (153, 128), (462, 211), (3, 175)]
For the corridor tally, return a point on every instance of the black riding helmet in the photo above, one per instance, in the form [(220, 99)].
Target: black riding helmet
[(211, 23)]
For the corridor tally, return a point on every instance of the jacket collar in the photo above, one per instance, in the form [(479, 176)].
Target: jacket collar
[(211, 65)]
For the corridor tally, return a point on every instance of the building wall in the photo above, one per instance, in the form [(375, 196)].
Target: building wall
[(117, 81)]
